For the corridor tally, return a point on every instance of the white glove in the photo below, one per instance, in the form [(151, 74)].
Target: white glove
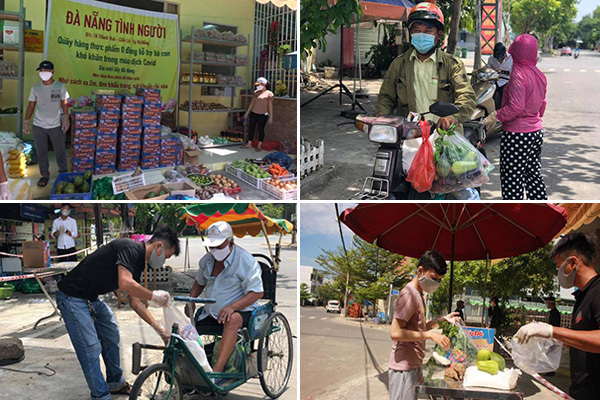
[(65, 122), (451, 318), (534, 329), (4, 191), (27, 126), (162, 332), (161, 297)]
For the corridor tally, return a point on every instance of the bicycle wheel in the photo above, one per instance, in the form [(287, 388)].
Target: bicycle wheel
[(275, 355), (156, 383)]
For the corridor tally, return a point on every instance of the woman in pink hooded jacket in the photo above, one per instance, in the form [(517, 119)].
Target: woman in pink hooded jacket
[(523, 105)]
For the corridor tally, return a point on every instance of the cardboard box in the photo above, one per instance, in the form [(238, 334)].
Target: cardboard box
[(182, 188), (192, 157), (36, 254), (482, 337), (140, 193)]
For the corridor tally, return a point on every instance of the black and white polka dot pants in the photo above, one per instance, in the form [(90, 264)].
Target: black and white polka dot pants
[(520, 165)]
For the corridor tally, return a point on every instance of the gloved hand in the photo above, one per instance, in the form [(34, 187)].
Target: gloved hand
[(161, 297), (490, 121), (534, 329), (27, 126), (4, 191), (451, 318), (65, 122), (162, 332)]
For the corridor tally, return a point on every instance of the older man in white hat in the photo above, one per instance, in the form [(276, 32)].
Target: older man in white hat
[(231, 275)]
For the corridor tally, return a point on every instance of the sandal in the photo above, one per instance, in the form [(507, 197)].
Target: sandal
[(125, 389), (43, 181), (258, 150)]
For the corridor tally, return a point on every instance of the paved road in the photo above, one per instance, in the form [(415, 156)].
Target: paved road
[(341, 359), (569, 158), (50, 343)]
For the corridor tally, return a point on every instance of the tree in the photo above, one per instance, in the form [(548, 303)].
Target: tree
[(528, 274), (329, 291), (304, 293), (371, 269), (148, 215), (272, 210), (318, 18), (588, 29)]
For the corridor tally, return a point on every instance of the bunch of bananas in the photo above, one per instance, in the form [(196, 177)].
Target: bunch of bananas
[(16, 164)]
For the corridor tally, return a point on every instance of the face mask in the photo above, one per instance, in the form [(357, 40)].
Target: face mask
[(157, 261), (567, 281), (260, 87), (428, 285), (220, 254), (64, 213), (45, 76), (423, 42)]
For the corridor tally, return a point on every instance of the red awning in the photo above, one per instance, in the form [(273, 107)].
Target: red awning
[(385, 9)]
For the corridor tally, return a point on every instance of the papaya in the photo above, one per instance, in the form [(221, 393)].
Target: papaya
[(499, 360), (491, 367)]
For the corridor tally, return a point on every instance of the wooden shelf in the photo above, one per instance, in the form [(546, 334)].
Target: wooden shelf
[(215, 64), (217, 42)]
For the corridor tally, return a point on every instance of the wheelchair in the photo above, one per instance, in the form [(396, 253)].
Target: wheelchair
[(265, 349)]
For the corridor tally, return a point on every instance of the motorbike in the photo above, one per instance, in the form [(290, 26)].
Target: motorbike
[(388, 180), (485, 86), (576, 54)]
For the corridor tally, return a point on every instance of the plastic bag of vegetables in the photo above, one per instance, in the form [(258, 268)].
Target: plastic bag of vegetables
[(462, 349), (458, 165)]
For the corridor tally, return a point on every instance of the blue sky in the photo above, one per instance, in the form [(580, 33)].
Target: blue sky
[(319, 230), (586, 7)]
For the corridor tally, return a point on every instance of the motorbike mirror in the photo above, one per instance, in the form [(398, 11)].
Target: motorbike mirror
[(443, 108)]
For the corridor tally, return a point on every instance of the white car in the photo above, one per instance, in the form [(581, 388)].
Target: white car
[(333, 306)]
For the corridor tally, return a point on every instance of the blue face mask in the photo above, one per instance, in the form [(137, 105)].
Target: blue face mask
[(423, 42)]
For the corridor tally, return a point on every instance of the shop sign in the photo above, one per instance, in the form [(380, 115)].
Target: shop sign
[(34, 212), (100, 46), (34, 41)]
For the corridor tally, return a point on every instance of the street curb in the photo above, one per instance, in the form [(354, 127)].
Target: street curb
[(317, 181)]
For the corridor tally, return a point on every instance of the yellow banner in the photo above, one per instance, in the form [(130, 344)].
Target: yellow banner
[(99, 46), (34, 41)]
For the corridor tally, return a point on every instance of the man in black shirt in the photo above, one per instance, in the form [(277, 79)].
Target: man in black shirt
[(460, 305), (554, 319), (90, 322), (574, 256), (495, 314)]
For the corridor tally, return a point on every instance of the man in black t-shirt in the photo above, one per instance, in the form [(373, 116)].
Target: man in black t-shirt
[(89, 321), (574, 255)]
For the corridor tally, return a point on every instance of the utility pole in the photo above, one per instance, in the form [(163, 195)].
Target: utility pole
[(337, 216), (477, 61)]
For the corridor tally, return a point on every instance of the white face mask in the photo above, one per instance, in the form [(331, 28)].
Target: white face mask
[(220, 254), (64, 213), (428, 284), (157, 261), (567, 281), (45, 76), (260, 87)]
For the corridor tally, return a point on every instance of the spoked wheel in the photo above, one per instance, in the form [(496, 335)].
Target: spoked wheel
[(157, 383), (275, 355)]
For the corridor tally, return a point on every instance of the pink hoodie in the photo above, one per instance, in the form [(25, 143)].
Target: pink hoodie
[(524, 98)]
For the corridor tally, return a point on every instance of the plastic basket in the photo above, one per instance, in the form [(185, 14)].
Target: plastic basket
[(280, 193), (233, 171), (251, 180), (69, 176), (289, 175), (6, 292)]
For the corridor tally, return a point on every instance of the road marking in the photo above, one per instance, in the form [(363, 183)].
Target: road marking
[(582, 70), (551, 70), (567, 70), (324, 318), (312, 317), (598, 70)]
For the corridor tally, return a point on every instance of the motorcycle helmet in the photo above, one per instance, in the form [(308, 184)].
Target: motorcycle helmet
[(428, 14), (499, 50)]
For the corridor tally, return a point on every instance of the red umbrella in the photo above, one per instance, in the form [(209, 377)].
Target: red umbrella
[(459, 231)]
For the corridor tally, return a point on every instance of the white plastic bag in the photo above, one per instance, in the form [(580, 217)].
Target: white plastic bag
[(537, 356), (503, 380), (188, 332)]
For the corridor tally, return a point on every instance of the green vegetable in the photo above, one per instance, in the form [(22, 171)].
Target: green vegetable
[(460, 167), (483, 355), (162, 193), (498, 359), (491, 367), (201, 180), (150, 195), (85, 187), (78, 181), (87, 175), (69, 189)]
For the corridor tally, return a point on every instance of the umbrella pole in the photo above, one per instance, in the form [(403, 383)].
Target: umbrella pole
[(487, 260), (264, 229), (451, 273), (337, 215)]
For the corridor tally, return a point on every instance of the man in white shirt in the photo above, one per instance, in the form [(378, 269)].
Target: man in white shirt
[(48, 98), (232, 276), (502, 62), (64, 230)]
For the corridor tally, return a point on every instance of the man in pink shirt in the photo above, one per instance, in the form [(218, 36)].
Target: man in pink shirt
[(410, 330)]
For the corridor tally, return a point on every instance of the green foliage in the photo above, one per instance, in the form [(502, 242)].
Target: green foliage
[(321, 17), (588, 29), (467, 16), (144, 217), (371, 269), (304, 293), (510, 277), (330, 291), (148, 214), (272, 210)]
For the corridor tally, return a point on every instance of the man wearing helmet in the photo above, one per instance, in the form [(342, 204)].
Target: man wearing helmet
[(425, 74)]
